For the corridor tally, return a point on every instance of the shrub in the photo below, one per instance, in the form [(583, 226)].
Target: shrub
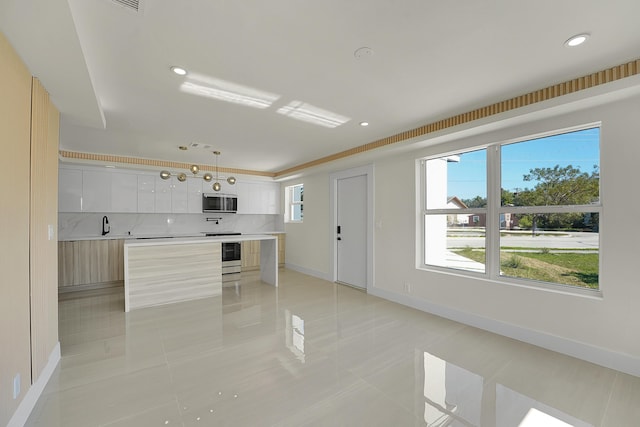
[(514, 261)]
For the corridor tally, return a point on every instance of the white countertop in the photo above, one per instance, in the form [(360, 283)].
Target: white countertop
[(159, 236), (187, 240)]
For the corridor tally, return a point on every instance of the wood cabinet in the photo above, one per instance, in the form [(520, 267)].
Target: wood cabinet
[(251, 253), (281, 248), (90, 262)]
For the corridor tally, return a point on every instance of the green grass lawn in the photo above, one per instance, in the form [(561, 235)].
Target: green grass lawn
[(576, 269)]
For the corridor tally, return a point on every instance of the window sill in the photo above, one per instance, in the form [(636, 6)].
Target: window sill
[(515, 282)]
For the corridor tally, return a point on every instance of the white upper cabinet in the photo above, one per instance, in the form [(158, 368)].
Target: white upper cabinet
[(69, 190), (163, 195), (124, 192), (258, 198), (245, 197), (96, 191), (179, 196), (271, 194), (104, 191), (146, 193), (225, 187), (195, 187)]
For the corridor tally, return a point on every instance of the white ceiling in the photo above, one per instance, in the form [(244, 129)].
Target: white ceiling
[(432, 59)]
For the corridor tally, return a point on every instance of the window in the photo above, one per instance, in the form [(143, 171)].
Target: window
[(451, 220), (517, 211), (294, 196)]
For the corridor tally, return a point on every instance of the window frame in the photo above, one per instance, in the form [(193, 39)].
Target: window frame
[(291, 203), (494, 210)]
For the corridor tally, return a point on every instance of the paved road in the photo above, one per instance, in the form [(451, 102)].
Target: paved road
[(572, 240)]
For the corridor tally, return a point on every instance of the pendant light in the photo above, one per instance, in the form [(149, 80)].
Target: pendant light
[(216, 185), (195, 169)]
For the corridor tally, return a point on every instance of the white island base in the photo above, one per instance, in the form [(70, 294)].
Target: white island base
[(164, 271)]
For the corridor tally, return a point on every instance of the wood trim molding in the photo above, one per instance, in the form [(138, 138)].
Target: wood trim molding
[(107, 158), (598, 78)]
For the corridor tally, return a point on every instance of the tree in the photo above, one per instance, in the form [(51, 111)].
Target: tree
[(506, 197), (559, 186), (476, 202)]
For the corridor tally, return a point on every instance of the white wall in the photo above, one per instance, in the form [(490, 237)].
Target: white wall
[(603, 330), (308, 242)]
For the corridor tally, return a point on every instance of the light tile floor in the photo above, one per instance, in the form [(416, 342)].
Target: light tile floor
[(311, 353)]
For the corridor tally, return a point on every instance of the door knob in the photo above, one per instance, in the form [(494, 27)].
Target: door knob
[(339, 238)]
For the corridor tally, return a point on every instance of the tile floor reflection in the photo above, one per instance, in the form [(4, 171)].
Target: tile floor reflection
[(311, 353)]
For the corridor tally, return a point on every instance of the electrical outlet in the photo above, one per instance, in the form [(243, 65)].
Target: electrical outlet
[(407, 287), (52, 233), (16, 386)]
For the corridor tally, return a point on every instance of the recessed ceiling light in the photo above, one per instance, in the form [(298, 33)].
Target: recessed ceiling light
[(576, 40), (364, 124), (179, 71)]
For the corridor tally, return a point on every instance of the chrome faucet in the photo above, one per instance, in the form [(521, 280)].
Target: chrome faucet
[(106, 228)]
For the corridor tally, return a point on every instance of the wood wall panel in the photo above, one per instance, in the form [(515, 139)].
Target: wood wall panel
[(38, 224), (15, 114), (51, 160), (42, 214)]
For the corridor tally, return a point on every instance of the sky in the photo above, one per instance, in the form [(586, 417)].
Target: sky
[(581, 149)]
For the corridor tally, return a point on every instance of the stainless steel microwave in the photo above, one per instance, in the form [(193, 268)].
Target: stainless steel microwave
[(219, 203)]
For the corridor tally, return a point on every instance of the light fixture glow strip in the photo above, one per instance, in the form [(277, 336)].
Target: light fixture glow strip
[(311, 114), (223, 90)]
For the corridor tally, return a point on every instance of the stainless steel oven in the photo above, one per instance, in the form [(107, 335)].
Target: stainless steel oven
[(231, 261), (231, 258)]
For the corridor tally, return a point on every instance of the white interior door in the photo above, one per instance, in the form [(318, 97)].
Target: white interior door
[(351, 231)]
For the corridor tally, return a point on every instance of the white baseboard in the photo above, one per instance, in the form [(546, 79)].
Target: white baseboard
[(309, 272), (21, 415), (600, 356)]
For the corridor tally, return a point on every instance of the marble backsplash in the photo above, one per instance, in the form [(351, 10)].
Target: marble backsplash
[(82, 225)]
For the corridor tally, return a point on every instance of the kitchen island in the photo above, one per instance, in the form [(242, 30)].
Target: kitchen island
[(163, 271)]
